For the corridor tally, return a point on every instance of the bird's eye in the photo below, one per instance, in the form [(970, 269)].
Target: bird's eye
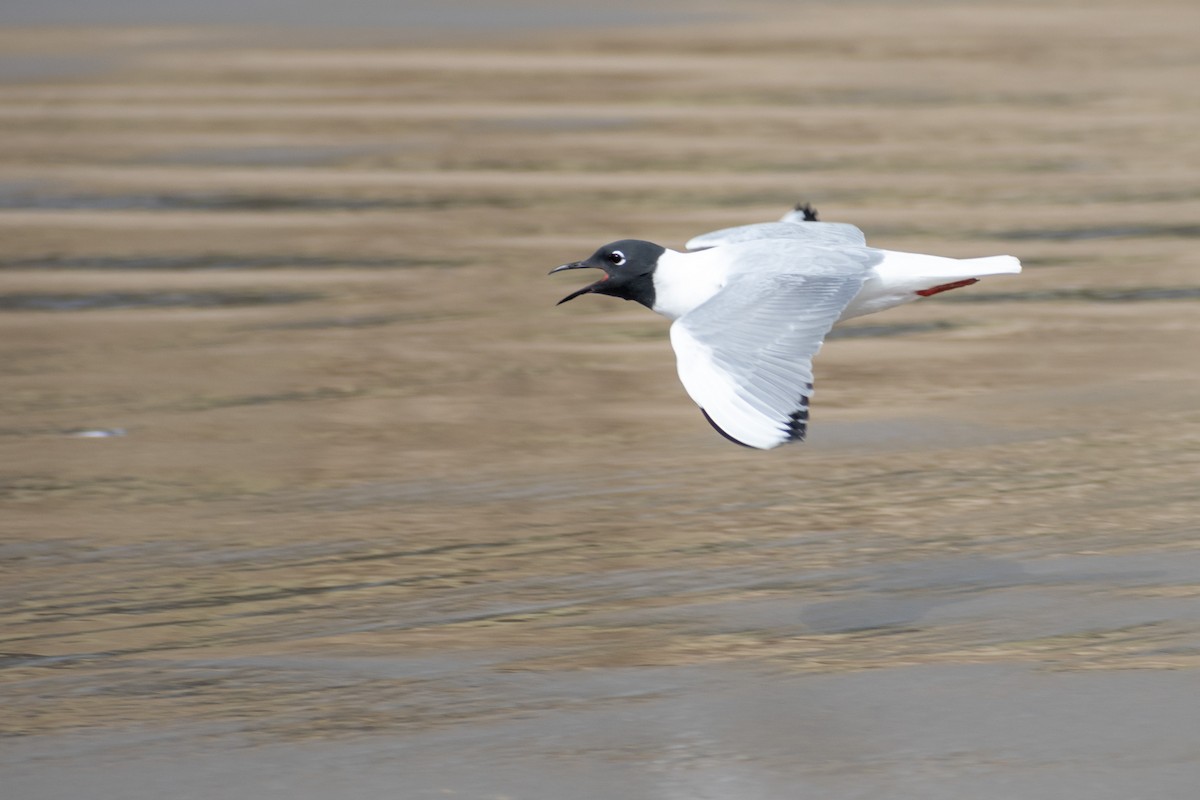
[(617, 258)]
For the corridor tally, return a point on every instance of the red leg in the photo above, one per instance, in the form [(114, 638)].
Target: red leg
[(945, 287)]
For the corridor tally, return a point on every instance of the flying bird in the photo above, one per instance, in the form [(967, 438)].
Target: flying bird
[(752, 304)]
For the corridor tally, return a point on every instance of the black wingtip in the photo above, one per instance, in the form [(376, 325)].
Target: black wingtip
[(798, 420), (796, 430), (798, 425)]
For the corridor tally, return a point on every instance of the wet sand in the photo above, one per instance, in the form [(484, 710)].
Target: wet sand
[(309, 490)]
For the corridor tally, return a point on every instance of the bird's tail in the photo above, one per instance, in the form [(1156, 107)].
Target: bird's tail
[(990, 265), (914, 270)]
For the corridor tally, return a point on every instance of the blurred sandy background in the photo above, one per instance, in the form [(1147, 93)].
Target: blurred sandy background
[(309, 491)]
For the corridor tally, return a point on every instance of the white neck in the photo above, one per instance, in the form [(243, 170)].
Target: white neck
[(683, 281)]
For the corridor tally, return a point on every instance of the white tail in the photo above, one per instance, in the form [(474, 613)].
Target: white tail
[(990, 265), (903, 277)]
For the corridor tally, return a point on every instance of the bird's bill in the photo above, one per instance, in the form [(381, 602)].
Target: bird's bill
[(572, 265), (585, 290)]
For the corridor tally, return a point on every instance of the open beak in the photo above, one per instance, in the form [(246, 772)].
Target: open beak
[(585, 290)]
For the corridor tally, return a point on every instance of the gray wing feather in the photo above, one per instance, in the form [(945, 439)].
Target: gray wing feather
[(830, 234), (745, 356)]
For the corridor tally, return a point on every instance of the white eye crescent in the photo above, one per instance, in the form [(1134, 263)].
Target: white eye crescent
[(617, 258)]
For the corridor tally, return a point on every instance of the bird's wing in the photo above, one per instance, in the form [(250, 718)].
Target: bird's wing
[(829, 234), (745, 356)]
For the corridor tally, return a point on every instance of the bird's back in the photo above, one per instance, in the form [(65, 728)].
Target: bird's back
[(684, 281)]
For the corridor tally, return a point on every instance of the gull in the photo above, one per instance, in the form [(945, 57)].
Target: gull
[(752, 304)]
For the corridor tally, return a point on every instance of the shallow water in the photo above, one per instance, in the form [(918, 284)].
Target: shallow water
[(450, 15), (1107, 232), (106, 300), (228, 202), (309, 489), (1134, 294), (219, 261)]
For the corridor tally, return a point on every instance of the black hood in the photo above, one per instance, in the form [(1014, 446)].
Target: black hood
[(628, 267)]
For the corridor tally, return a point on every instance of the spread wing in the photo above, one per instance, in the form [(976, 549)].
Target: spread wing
[(828, 234), (745, 356)]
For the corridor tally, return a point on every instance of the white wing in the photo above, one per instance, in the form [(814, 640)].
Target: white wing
[(745, 356), (829, 234)]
